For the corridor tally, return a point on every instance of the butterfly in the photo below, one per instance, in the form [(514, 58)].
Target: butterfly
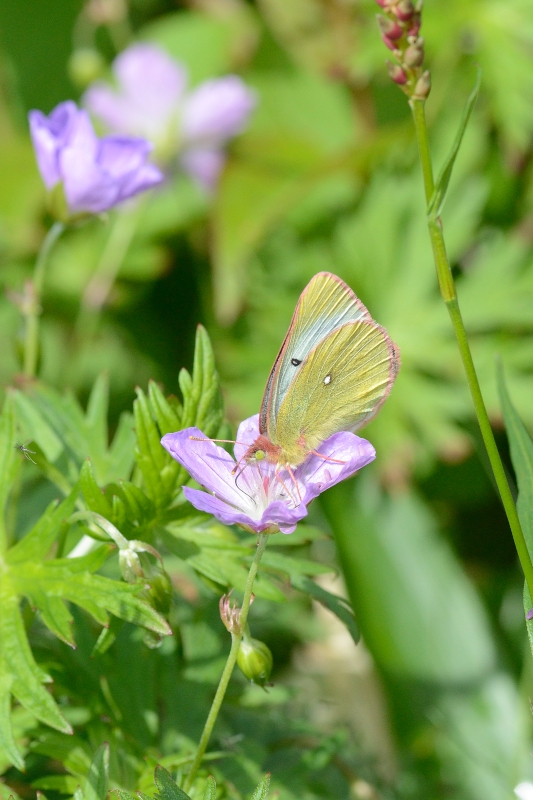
[(333, 373)]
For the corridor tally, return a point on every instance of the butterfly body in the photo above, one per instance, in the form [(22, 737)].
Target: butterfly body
[(334, 370)]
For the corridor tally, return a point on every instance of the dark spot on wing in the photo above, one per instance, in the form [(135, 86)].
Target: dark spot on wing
[(295, 362)]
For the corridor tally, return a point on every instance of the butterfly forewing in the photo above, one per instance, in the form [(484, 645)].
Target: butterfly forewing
[(325, 305), (339, 387)]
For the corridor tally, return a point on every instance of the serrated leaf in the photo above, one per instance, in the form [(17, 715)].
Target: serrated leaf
[(168, 788), (441, 185), (261, 793), (210, 789), (337, 605), (95, 787), (27, 677)]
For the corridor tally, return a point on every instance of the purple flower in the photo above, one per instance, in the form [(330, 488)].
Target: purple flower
[(95, 174), (151, 101), (256, 498)]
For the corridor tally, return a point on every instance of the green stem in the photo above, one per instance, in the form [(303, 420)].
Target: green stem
[(230, 663), (449, 295), (31, 343), (115, 250)]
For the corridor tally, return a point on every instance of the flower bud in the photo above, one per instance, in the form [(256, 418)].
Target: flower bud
[(414, 27), (389, 28), (230, 613), (396, 73), (85, 66), (423, 86), (414, 55), (404, 10), (159, 592), (255, 660)]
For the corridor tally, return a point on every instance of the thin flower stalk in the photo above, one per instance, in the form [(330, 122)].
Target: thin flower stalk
[(33, 309), (236, 637), (399, 27)]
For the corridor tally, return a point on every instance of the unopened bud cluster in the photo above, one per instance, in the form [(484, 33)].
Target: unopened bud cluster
[(399, 26)]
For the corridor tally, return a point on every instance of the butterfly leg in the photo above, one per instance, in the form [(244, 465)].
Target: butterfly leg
[(291, 473), (280, 479), (327, 458)]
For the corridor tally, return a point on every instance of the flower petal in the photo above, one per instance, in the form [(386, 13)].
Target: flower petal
[(317, 474), (247, 434), (204, 164), (209, 465), (217, 110), (150, 87), (276, 514), (49, 135)]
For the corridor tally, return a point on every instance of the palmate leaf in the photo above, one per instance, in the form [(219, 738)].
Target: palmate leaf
[(60, 427), (49, 584)]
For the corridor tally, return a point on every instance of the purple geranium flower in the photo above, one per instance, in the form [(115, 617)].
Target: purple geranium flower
[(151, 101), (95, 174), (258, 500)]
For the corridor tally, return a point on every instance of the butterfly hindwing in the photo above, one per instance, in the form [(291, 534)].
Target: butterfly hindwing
[(325, 305), (340, 386)]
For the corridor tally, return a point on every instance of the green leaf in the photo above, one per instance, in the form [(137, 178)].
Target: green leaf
[(7, 740), (261, 793), (36, 545), (419, 613), (8, 462), (210, 789), (19, 663), (94, 496), (168, 788), (337, 605), (95, 787), (441, 186), (64, 784), (521, 447)]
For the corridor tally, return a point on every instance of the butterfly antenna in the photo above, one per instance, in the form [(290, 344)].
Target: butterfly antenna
[(237, 476), (225, 441)]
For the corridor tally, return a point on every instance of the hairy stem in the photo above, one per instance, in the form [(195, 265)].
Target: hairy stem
[(230, 663), (31, 340), (449, 295)]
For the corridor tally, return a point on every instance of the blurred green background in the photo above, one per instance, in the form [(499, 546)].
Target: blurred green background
[(435, 701)]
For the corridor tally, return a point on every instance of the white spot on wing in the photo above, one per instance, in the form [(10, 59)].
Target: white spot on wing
[(327, 380)]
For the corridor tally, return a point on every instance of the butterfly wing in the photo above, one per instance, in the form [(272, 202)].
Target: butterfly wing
[(340, 386), (325, 305)]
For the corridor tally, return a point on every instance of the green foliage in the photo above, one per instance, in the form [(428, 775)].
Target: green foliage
[(324, 177)]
